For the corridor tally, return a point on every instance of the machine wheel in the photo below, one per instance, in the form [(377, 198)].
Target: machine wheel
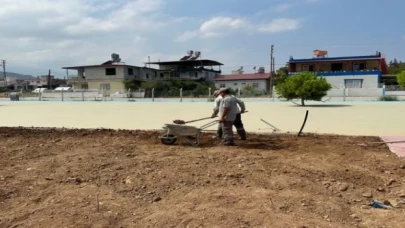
[(168, 139)]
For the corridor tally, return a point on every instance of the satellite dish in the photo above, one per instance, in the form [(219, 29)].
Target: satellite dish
[(190, 53), (197, 54)]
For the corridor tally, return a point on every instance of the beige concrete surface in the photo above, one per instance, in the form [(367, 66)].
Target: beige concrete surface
[(368, 118)]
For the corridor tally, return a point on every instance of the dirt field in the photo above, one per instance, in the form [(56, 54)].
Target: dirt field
[(103, 178)]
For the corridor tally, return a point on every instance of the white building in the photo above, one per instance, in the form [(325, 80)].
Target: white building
[(108, 76), (238, 80)]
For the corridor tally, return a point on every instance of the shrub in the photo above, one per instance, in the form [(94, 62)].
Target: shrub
[(388, 98)]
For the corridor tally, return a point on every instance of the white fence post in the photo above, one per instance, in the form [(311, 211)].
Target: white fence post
[(153, 94), (273, 93), (40, 96), (83, 95), (209, 92), (181, 94), (62, 94), (344, 93)]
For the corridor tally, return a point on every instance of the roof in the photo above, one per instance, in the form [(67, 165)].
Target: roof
[(102, 65), (204, 62), (326, 59), (235, 77)]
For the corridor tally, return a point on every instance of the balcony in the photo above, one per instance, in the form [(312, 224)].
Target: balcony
[(342, 73)]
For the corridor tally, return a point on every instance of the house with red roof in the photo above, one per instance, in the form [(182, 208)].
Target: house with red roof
[(260, 81), (343, 72)]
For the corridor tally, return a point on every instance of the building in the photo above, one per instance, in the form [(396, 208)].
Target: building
[(343, 72), (190, 67), (42, 81), (110, 76), (259, 81)]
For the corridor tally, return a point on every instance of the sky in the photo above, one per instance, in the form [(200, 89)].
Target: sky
[(37, 35)]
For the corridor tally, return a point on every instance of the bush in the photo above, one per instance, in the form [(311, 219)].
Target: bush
[(401, 79), (171, 88), (388, 98)]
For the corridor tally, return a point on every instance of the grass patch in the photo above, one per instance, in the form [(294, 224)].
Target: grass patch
[(388, 98)]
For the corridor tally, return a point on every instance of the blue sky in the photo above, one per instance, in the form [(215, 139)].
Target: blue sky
[(43, 34)]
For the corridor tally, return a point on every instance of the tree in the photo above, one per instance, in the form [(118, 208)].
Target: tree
[(281, 75), (401, 79), (304, 86), (396, 67)]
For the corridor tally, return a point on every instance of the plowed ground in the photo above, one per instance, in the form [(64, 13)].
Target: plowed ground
[(105, 178)]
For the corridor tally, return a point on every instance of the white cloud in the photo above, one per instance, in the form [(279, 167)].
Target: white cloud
[(44, 33), (214, 28), (283, 7), (280, 25), (221, 26)]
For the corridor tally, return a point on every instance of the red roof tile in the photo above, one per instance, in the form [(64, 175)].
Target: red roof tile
[(234, 77)]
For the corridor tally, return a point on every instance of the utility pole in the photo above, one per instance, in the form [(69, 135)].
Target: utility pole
[(271, 70), (3, 63), (49, 79)]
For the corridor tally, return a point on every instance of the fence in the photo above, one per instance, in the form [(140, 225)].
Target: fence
[(335, 94)]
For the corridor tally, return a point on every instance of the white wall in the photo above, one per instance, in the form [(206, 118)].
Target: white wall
[(395, 93), (99, 72), (235, 84), (356, 92), (369, 81)]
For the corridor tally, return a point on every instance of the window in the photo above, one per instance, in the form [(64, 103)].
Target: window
[(359, 66), (110, 71), (105, 86), (193, 74), (85, 86), (130, 71), (235, 84), (255, 85), (353, 83), (336, 67), (147, 75), (222, 85), (162, 75), (308, 68)]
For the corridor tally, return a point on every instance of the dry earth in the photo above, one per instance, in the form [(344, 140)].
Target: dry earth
[(106, 178)]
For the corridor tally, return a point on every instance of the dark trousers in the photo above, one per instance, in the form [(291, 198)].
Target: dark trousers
[(238, 125)]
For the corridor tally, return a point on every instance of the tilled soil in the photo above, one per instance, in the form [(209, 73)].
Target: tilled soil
[(104, 178)]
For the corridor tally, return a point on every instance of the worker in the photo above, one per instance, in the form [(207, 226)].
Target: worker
[(238, 120)]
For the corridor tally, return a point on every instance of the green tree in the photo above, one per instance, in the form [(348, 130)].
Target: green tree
[(281, 75), (401, 79), (304, 86), (396, 67)]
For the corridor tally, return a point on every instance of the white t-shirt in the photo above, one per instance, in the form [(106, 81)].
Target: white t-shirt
[(217, 104)]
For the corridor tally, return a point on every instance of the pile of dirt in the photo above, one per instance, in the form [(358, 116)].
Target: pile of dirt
[(107, 178)]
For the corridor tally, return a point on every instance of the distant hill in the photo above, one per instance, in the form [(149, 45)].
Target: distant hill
[(19, 76)]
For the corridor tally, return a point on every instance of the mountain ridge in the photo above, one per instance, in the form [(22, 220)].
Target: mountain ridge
[(17, 75)]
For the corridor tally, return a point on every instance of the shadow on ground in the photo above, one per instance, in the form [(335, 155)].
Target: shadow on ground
[(322, 106)]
